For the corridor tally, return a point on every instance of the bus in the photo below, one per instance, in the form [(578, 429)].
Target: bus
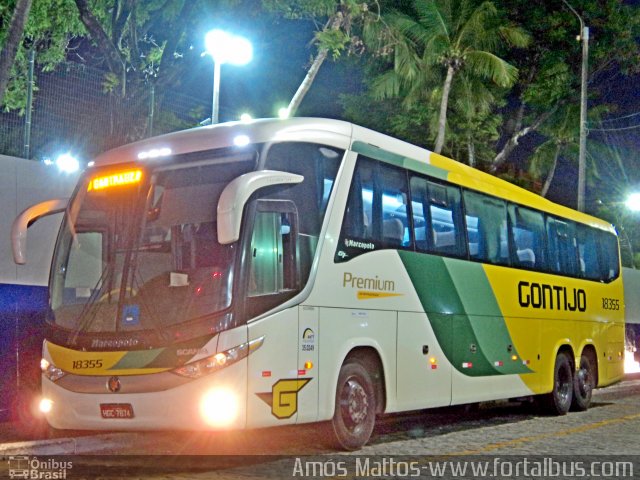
[(631, 280), (281, 272), (23, 289)]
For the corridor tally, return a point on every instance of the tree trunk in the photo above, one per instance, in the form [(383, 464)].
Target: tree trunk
[(334, 24), (12, 42), (471, 148), (518, 133), (306, 83), (442, 120), (552, 172), (112, 55)]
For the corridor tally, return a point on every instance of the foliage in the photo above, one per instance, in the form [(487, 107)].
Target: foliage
[(334, 21), (51, 35), (444, 38), (386, 116), (474, 122), (550, 68)]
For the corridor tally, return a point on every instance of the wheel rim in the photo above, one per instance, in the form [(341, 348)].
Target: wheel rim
[(563, 384), (584, 381), (354, 404)]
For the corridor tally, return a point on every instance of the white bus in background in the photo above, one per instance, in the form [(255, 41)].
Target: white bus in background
[(631, 279), (23, 288)]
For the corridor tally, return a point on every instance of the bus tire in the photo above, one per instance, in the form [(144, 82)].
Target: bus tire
[(558, 401), (583, 384), (355, 408)]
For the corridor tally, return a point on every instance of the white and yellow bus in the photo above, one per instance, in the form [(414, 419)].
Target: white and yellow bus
[(291, 271)]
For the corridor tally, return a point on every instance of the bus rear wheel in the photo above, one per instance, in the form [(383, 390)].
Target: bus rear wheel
[(583, 385), (558, 401), (355, 409)]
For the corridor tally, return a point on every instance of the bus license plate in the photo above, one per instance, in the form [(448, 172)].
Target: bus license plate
[(116, 410)]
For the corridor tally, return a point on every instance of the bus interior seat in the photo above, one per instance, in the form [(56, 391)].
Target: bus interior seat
[(445, 242), (421, 238), (444, 239), (393, 230), (526, 257)]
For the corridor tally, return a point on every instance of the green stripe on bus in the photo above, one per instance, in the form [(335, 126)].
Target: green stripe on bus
[(486, 319), (137, 359), (464, 314), (420, 166)]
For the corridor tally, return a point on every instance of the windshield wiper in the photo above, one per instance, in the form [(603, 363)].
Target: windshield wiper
[(89, 311)]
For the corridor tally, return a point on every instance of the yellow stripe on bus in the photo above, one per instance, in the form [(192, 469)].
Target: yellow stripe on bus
[(92, 363)]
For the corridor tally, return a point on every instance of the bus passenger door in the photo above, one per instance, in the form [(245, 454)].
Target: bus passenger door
[(270, 276), (424, 373)]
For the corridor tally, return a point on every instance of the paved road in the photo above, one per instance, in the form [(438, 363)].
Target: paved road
[(610, 427)]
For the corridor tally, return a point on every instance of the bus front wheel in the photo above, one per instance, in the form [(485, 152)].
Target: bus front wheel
[(584, 383), (355, 409), (558, 401)]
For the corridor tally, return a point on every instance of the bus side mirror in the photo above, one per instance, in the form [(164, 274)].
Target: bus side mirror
[(25, 219), (237, 193)]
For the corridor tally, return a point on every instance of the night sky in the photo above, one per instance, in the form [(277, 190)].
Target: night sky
[(283, 52)]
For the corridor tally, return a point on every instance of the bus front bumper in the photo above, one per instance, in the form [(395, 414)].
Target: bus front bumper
[(213, 402)]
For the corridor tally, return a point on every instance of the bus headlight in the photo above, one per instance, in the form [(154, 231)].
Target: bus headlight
[(50, 371), (219, 407), (45, 405), (218, 361)]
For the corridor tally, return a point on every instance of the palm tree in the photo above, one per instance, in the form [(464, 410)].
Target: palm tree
[(563, 132), (449, 36), (474, 120)]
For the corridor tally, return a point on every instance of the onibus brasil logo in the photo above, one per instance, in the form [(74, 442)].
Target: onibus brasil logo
[(23, 466)]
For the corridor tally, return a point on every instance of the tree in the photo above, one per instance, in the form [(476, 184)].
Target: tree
[(147, 49), (12, 42), (139, 41), (333, 37), (550, 67), (562, 137), (46, 34), (455, 36), (474, 125)]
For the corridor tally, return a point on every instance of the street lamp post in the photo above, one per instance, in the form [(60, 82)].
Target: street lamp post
[(225, 48), (584, 38)]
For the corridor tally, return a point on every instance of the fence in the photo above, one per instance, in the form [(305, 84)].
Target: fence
[(72, 112)]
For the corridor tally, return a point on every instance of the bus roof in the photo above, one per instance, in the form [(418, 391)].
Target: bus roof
[(344, 135)]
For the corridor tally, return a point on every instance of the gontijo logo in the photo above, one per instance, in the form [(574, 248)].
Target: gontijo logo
[(370, 287), (283, 398)]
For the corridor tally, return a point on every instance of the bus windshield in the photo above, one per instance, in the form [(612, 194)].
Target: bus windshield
[(138, 249)]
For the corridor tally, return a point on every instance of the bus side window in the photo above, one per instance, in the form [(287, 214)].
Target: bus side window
[(563, 254), (487, 228), (528, 234), (608, 256), (589, 266), (376, 216), (436, 218)]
